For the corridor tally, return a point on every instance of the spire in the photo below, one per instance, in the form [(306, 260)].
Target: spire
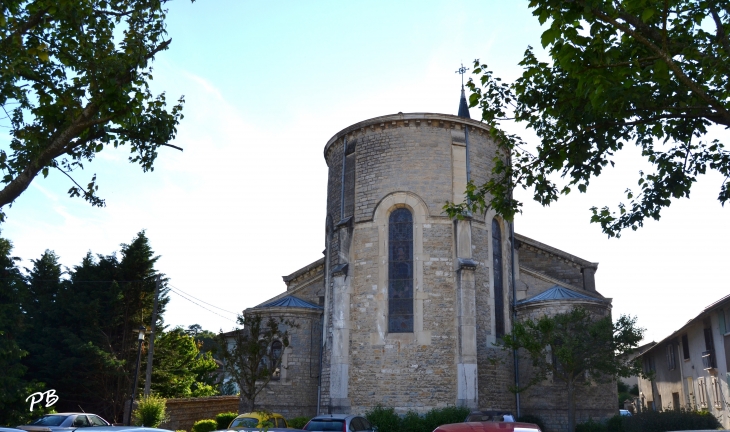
[(463, 106)]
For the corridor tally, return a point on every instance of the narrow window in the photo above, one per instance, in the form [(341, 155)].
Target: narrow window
[(275, 367), (671, 359), (685, 347), (400, 272), (498, 288)]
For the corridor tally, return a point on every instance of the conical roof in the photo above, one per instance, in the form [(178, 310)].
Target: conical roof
[(463, 106), (291, 301), (558, 292)]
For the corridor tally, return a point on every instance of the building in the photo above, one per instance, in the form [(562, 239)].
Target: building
[(691, 366), (410, 301)]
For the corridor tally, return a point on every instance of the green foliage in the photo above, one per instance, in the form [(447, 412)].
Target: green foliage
[(207, 425), (223, 420), (615, 424), (150, 411), (249, 362), (298, 422), (388, 421), (179, 368), (529, 418), (590, 426), (623, 392), (635, 72), (654, 421), (384, 418), (74, 79), (582, 349)]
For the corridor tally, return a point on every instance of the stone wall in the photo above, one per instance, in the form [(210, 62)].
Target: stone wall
[(551, 265), (183, 413)]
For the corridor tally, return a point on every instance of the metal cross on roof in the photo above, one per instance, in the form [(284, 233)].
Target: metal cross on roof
[(462, 70)]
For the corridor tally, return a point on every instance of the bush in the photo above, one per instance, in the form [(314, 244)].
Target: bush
[(150, 411), (528, 418), (615, 424), (590, 426), (207, 425), (224, 419), (384, 418), (298, 422), (388, 421), (654, 421)]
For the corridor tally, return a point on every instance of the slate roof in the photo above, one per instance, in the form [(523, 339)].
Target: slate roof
[(558, 292), (291, 301), (463, 107)]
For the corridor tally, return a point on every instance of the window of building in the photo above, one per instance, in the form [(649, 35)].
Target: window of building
[(400, 271), (685, 347), (671, 357), (701, 392), (498, 280), (675, 401), (691, 393), (275, 366), (716, 392)]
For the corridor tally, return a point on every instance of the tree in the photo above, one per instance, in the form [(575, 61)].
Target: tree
[(576, 348), (651, 74), (74, 79), (179, 368), (248, 359), (15, 385)]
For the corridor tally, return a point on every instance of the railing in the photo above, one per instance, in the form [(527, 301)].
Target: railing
[(708, 360)]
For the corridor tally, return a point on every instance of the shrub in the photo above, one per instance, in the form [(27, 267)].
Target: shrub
[(150, 411), (615, 424), (384, 418), (441, 416), (207, 425), (412, 422), (298, 422), (224, 419), (654, 421), (528, 418), (590, 426)]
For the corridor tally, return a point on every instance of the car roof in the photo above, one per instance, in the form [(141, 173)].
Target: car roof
[(333, 416), (486, 427), (259, 414)]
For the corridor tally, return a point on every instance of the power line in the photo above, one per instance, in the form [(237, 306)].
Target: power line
[(202, 301), (199, 305)]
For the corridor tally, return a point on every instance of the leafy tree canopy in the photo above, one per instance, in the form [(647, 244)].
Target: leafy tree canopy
[(74, 79), (630, 72), (248, 358), (576, 348)]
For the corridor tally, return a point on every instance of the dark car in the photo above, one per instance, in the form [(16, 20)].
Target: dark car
[(339, 423), (64, 421)]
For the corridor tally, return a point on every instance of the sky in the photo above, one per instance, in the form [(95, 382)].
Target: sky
[(266, 84)]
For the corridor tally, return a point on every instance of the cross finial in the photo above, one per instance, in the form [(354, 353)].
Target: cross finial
[(462, 70)]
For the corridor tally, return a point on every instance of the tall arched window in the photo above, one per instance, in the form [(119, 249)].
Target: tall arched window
[(498, 286), (275, 367), (400, 271)]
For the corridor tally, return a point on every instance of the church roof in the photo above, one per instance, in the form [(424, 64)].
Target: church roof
[(463, 106), (558, 292), (291, 301)]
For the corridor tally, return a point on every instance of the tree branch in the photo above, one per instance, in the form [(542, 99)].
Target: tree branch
[(33, 21), (720, 33)]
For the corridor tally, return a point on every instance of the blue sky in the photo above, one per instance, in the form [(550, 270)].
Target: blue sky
[(266, 85)]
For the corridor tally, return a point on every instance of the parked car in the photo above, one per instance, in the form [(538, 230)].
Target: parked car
[(624, 412), (479, 416), (339, 423), (253, 420), (488, 426), (64, 421)]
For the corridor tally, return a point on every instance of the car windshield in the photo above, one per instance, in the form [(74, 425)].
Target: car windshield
[(325, 425), (50, 420), (245, 422)]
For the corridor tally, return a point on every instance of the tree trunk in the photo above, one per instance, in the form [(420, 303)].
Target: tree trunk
[(571, 405)]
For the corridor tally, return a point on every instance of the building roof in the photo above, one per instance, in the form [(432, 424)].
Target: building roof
[(463, 106), (558, 292), (291, 301)]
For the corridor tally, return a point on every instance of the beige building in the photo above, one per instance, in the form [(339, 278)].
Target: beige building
[(691, 366), (410, 301)]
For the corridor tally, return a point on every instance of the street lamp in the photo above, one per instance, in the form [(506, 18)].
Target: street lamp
[(142, 331)]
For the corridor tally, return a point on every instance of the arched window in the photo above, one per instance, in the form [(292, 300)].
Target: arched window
[(498, 284), (400, 271), (275, 367)]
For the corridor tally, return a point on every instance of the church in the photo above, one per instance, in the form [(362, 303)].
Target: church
[(405, 306)]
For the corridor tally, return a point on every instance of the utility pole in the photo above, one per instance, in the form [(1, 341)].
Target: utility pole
[(150, 353)]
